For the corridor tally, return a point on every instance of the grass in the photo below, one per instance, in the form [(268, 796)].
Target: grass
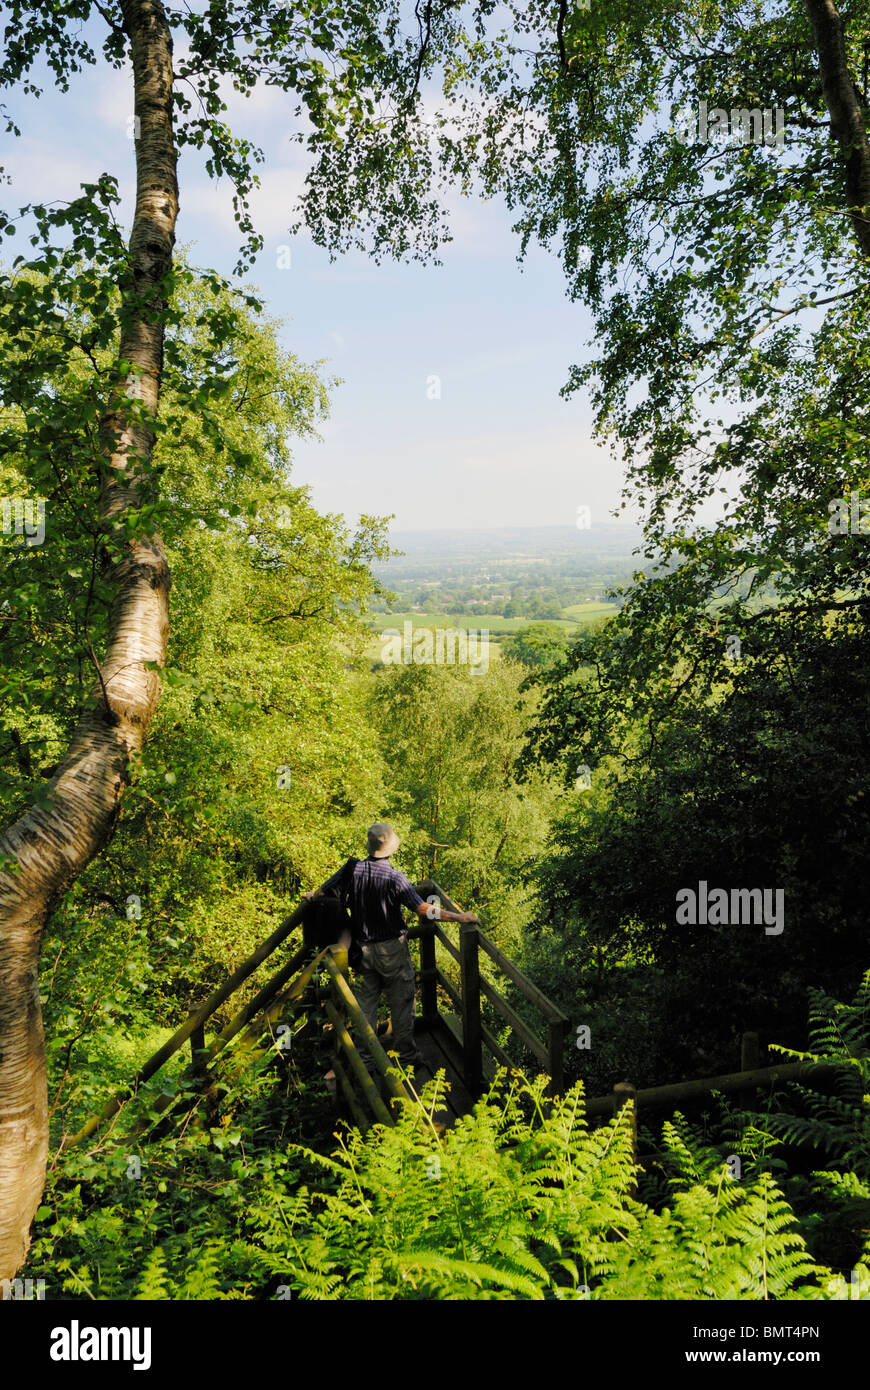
[(595, 609), (494, 623), (573, 620)]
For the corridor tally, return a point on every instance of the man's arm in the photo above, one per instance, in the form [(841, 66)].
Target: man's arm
[(330, 883), (342, 879), (410, 898), (440, 914)]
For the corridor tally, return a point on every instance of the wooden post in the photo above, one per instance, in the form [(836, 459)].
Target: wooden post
[(309, 927), (361, 1119), (749, 1052), (349, 1006), (623, 1092), (197, 1047), (366, 1082), (556, 1049), (749, 1055), (472, 1038), (428, 983)]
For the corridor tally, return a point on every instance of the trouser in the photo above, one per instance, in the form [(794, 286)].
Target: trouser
[(387, 966)]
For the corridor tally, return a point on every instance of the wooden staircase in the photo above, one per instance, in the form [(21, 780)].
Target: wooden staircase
[(454, 1032), (451, 1031)]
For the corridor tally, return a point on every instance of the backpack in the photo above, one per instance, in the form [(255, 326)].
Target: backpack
[(328, 916)]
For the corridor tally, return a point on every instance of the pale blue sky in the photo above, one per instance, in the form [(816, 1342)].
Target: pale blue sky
[(499, 448)]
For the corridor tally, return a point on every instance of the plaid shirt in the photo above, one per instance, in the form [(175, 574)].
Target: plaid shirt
[(376, 898)]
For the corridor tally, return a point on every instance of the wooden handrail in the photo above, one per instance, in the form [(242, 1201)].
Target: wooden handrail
[(535, 1046), (259, 1002), (536, 996), (692, 1090), (278, 1004), (369, 1089), (428, 888), (192, 1024), (523, 983), (548, 1053), (272, 998), (268, 995), (365, 1031)]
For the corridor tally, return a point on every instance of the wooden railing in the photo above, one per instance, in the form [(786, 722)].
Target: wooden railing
[(343, 1011), (353, 1034), (474, 1034), (194, 1025), (294, 986), (750, 1077)]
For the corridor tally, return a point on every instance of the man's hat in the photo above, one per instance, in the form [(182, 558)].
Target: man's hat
[(383, 840)]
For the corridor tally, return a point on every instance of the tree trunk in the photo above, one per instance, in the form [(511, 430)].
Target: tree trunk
[(847, 115), (52, 844)]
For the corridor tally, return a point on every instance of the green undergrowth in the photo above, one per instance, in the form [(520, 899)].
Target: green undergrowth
[(521, 1200)]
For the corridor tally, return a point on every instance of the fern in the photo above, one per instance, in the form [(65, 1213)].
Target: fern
[(837, 1125), (154, 1283), (201, 1280), (832, 1126), (520, 1200), (541, 1208)]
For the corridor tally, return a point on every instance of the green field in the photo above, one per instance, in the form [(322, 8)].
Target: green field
[(571, 618), (581, 611)]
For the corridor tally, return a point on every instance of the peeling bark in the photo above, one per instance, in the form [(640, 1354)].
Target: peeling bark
[(847, 115), (52, 844)]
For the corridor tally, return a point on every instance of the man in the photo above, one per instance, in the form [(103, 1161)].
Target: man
[(376, 894)]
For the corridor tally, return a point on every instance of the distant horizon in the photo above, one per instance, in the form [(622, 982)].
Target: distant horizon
[(519, 526), (547, 542)]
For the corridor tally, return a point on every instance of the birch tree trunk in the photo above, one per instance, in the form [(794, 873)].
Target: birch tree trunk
[(51, 844), (846, 112)]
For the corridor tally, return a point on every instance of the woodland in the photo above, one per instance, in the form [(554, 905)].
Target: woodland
[(193, 730)]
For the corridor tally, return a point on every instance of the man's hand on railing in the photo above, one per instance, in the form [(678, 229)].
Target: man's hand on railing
[(436, 913)]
